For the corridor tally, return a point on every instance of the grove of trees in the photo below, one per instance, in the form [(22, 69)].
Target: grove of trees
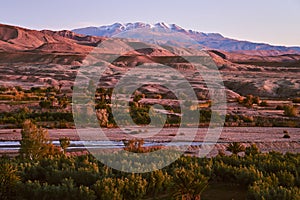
[(42, 171), (266, 176)]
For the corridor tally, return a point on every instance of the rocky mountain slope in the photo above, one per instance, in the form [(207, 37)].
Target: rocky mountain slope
[(207, 40)]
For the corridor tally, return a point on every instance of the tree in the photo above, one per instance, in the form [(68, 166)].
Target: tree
[(248, 101), (102, 116), (108, 188), (101, 91), (59, 87), (290, 111), (64, 143), (286, 134), (109, 92), (135, 145), (63, 102), (252, 150), (235, 148), (158, 182), (296, 100), (135, 187), (188, 184), (35, 141), (8, 181), (45, 104)]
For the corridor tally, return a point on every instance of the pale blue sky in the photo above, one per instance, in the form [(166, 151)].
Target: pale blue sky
[(270, 21)]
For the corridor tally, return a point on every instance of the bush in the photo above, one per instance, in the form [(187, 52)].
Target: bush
[(249, 100), (45, 104), (252, 150), (286, 135), (290, 111), (279, 107), (264, 191), (296, 100), (8, 181), (66, 190), (266, 175), (263, 103), (235, 148)]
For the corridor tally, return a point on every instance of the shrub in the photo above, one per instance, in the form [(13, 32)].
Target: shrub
[(8, 181), (261, 191), (35, 142), (249, 100), (235, 148), (296, 100), (279, 107), (252, 150), (286, 134), (286, 179), (45, 104), (188, 184), (290, 110), (64, 143), (263, 103)]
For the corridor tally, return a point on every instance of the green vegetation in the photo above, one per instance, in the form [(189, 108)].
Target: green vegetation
[(64, 143), (49, 107), (189, 183), (249, 100), (264, 176), (296, 100), (260, 121), (235, 148), (42, 105), (263, 103), (8, 181), (35, 141), (290, 110), (286, 134), (41, 173)]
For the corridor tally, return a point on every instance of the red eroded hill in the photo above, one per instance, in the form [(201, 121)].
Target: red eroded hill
[(14, 38), (20, 45)]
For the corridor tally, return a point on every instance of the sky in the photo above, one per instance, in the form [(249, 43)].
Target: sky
[(275, 22)]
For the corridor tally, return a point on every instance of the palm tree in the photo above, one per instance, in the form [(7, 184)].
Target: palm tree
[(235, 148), (189, 185)]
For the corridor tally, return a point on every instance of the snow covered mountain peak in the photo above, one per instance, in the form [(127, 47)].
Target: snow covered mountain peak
[(208, 40)]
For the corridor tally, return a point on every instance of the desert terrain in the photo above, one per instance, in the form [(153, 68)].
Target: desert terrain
[(51, 59)]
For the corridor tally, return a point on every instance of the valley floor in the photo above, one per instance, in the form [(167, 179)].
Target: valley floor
[(266, 138)]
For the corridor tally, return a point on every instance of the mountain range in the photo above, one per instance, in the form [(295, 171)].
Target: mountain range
[(13, 38), (31, 57), (21, 45), (206, 40)]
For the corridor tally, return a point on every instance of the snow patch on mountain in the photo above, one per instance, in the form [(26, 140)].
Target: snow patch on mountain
[(207, 40)]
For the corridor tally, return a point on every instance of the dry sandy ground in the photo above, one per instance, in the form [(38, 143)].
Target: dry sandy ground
[(267, 138)]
